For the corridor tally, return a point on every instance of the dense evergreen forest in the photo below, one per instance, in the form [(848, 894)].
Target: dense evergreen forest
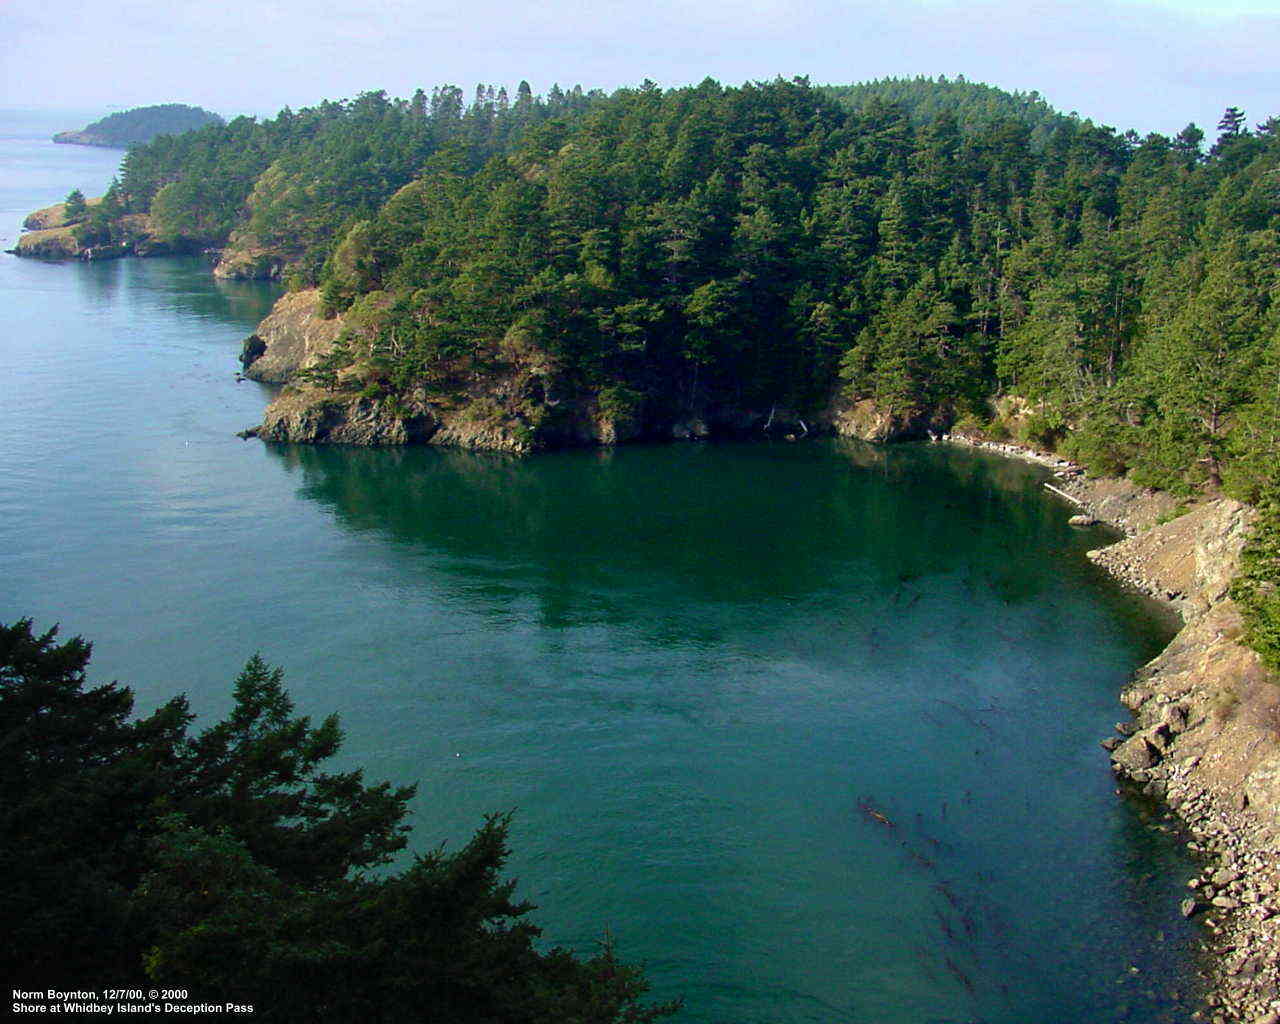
[(972, 105), (230, 863), (938, 250), (142, 124), (281, 190)]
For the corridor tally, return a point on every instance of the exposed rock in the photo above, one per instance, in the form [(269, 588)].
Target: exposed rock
[(312, 415), (1261, 790), (1220, 537), (867, 421), (244, 262), (1175, 718), (57, 243), (1082, 519), (294, 336), (251, 351), (1135, 754)]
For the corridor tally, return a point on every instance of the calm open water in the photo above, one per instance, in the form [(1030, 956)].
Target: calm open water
[(687, 667)]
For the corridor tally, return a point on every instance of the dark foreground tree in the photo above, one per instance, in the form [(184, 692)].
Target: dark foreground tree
[(229, 864)]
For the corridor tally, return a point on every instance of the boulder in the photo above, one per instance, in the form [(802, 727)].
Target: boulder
[(251, 351), (1262, 791), (1175, 718), (1135, 754)]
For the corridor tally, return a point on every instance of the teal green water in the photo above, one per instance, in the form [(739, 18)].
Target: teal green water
[(688, 668)]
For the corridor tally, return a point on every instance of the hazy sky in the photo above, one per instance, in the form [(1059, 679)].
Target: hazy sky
[(1147, 65)]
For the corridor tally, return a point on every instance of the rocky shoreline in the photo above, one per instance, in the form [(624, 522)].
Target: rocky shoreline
[(1205, 734)]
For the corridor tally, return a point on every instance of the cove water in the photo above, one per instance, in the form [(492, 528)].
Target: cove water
[(811, 729)]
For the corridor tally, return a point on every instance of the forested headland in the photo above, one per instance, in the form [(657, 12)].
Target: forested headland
[(140, 125), (886, 258)]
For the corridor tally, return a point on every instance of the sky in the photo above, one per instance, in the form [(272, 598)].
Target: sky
[(1151, 66)]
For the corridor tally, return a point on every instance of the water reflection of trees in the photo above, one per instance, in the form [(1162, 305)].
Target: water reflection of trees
[(731, 523), (182, 285)]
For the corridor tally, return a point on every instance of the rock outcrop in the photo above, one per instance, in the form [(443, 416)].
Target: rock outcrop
[(314, 416), (866, 420), (293, 337), (241, 261), (48, 244)]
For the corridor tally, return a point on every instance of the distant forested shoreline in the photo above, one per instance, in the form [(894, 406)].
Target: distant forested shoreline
[(140, 125)]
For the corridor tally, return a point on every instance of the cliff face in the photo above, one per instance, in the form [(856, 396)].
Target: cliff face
[(1206, 738), (293, 337)]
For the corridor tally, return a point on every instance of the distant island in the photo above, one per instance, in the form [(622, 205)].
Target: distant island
[(140, 125)]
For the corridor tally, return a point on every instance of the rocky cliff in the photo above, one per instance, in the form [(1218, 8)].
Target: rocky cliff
[(293, 337)]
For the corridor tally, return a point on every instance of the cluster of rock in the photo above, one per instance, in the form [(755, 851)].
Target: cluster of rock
[(1236, 896)]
